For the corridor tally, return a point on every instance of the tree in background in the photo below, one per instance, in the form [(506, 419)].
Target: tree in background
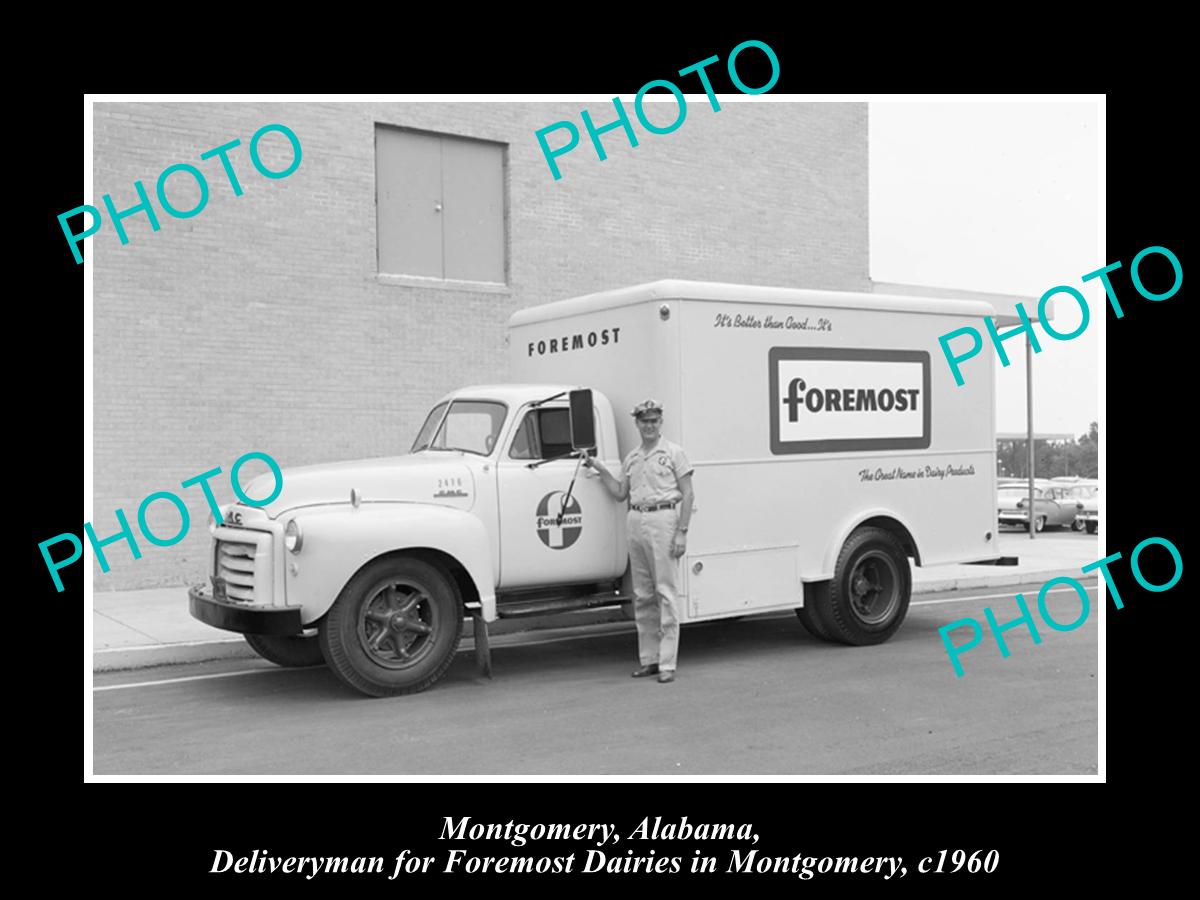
[(1079, 457)]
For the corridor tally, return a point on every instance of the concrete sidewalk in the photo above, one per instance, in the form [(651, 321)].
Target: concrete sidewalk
[(138, 629)]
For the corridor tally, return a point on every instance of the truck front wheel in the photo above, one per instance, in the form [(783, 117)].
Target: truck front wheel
[(868, 596), (394, 629), (286, 650)]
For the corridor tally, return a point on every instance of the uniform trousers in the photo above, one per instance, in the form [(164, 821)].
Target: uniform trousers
[(655, 576)]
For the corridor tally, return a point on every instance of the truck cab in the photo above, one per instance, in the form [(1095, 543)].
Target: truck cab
[(372, 565)]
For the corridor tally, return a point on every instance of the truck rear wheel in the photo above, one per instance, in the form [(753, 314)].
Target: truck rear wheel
[(807, 613), (394, 629), (286, 650), (868, 597)]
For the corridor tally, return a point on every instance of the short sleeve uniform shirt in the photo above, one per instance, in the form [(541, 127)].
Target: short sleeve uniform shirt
[(654, 475)]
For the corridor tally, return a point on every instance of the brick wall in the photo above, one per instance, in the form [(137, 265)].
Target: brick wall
[(260, 324)]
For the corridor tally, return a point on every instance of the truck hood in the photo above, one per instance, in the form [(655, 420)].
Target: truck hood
[(441, 478)]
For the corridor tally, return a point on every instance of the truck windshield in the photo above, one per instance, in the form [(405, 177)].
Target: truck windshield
[(469, 425)]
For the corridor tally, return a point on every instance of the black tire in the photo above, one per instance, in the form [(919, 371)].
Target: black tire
[(394, 628), (807, 614), (1039, 524), (1091, 527), (1078, 524), (292, 652), (867, 600)]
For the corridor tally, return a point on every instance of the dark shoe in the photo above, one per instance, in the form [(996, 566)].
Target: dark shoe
[(644, 671), (666, 676)]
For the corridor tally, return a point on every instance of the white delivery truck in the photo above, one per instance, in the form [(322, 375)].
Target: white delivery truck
[(830, 449)]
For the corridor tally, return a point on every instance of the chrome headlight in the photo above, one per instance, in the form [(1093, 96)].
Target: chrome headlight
[(293, 538)]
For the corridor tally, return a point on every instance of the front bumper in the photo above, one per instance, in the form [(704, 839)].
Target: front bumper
[(1013, 517), (240, 617)]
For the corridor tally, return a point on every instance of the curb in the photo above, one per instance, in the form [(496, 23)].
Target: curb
[(967, 582), (145, 656), (509, 632)]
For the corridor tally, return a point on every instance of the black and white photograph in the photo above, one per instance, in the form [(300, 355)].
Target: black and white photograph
[(696, 433)]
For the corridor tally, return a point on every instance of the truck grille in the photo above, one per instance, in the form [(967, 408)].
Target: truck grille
[(235, 563)]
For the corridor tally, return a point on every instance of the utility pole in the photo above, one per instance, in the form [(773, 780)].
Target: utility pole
[(1029, 426)]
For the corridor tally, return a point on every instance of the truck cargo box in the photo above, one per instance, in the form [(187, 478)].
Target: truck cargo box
[(806, 413)]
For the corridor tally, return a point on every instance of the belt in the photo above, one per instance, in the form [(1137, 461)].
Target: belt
[(651, 507)]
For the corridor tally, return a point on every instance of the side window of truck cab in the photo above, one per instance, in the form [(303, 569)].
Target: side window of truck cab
[(542, 434)]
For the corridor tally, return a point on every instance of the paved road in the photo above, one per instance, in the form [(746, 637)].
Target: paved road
[(757, 696)]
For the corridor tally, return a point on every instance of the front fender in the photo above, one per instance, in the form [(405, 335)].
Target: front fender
[(340, 540), (846, 528)]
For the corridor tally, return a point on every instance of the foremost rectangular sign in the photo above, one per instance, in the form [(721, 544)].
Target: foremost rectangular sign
[(826, 400)]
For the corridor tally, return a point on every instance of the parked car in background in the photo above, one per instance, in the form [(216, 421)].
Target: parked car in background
[(1053, 505), (1086, 493)]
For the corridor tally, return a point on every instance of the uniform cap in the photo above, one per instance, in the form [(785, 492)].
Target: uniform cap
[(646, 406)]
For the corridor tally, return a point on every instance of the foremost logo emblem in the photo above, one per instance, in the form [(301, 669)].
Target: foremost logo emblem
[(556, 535), (827, 400)]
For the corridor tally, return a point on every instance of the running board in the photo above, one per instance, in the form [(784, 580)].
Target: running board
[(521, 608), (542, 607), (998, 561)]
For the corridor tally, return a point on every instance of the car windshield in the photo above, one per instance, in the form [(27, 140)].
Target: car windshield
[(468, 425), (1084, 491)]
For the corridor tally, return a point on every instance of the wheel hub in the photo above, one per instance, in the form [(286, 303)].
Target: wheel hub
[(874, 588), (397, 625)]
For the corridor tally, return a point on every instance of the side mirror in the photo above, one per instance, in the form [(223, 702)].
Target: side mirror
[(583, 424)]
